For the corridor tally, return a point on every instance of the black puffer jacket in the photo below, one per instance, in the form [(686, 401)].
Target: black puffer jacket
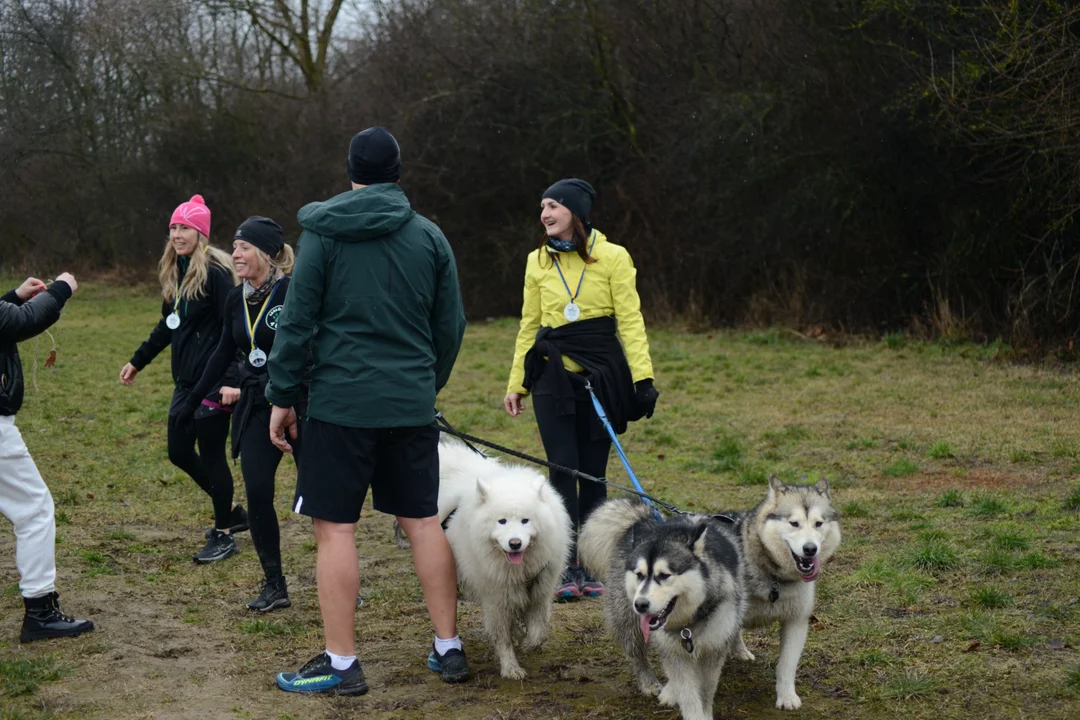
[(197, 337), (21, 321)]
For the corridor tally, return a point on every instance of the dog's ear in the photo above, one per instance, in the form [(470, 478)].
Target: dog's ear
[(697, 538), (540, 484), (822, 487), (776, 485), (481, 491)]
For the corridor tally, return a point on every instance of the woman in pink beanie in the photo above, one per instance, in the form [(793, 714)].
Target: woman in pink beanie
[(195, 279)]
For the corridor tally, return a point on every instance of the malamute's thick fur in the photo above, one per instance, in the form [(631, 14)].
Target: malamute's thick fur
[(785, 542), (677, 584), (511, 539)]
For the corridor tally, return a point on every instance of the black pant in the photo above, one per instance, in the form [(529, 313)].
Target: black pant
[(259, 461), (208, 468), (575, 441)]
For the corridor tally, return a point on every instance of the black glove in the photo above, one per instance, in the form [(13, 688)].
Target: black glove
[(185, 417), (646, 396)]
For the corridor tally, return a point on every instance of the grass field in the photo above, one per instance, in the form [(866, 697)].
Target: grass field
[(955, 594)]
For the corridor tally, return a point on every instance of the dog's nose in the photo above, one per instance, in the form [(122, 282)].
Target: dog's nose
[(515, 544), (641, 605), (809, 549)]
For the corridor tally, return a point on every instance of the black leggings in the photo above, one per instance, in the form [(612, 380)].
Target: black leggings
[(208, 468), (572, 441), (259, 461)]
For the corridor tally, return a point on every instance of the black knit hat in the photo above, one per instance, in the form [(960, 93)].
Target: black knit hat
[(575, 195), (374, 157), (263, 233)]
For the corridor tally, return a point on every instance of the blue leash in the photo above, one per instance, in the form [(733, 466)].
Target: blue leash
[(618, 448)]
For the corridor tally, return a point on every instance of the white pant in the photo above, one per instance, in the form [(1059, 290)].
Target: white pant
[(27, 503)]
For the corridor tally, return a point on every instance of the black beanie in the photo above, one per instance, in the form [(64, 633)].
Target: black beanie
[(374, 157), (575, 195), (263, 233)]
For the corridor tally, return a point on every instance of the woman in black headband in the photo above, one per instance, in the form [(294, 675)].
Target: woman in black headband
[(263, 261), (580, 322)]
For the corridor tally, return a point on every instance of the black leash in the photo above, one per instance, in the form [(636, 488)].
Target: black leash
[(576, 474)]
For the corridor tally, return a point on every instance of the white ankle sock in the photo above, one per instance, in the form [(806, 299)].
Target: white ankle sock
[(444, 646), (340, 662)]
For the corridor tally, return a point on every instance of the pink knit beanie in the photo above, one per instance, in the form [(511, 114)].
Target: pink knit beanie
[(194, 214)]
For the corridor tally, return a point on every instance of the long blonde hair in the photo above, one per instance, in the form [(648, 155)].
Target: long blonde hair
[(194, 284), (283, 260)]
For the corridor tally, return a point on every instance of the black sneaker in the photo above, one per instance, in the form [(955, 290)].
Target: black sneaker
[(218, 547), (319, 676), (239, 520), (452, 667), (274, 595), (43, 620)]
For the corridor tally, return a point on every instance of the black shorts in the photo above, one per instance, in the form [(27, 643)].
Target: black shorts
[(400, 464)]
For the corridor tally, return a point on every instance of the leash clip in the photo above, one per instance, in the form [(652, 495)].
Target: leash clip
[(687, 636), (774, 593)]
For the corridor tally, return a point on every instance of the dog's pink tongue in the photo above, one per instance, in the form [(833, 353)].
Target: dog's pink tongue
[(515, 557), (812, 575), (645, 626)]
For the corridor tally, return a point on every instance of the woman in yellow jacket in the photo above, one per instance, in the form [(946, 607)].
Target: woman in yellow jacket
[(580, 323)]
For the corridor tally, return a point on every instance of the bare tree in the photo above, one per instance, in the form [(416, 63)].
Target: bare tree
[(302, 31)]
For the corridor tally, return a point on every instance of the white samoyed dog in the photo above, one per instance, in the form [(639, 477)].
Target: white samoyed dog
[(510, 534)]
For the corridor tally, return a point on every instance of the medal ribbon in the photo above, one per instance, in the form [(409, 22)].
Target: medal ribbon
[(250, 326), (573, 295), (176, 298)]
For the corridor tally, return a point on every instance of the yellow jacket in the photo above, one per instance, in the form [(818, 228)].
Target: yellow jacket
[(609, 287)]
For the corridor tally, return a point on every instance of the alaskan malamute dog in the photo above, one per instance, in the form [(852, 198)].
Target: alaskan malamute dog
[(677, 584), (511, 539), (785, 541)]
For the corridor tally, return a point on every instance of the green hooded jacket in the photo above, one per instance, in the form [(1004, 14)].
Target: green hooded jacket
[(375, 294)]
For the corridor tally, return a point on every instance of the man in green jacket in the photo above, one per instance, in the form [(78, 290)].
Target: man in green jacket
[(375, 299)]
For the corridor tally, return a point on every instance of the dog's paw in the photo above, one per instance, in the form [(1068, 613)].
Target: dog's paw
[(744, 653), (667, 697), (533, 643), (788, 701), (514, 673), (651, 689)]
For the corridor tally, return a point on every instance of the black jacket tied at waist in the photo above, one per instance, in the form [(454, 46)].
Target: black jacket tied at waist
[(594, 345)]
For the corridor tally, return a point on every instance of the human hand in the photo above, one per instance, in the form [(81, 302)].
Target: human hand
[(514, 403), (282, 420), (30, 287), (128, 373), (646, 396), (229, 395), (69, 279)]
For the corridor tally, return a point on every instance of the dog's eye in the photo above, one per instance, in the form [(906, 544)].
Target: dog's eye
[(661, 577), (640, 576), (525, 521), (794, 523), (819, 523), (503, 521)]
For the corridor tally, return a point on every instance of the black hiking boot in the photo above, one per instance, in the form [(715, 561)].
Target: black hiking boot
[(43, 620)]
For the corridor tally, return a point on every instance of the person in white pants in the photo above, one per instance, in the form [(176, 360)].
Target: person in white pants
[(24, 499)]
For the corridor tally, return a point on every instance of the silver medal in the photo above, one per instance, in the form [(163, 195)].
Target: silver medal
[(257, 358), (572, 311), (173, 321)]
